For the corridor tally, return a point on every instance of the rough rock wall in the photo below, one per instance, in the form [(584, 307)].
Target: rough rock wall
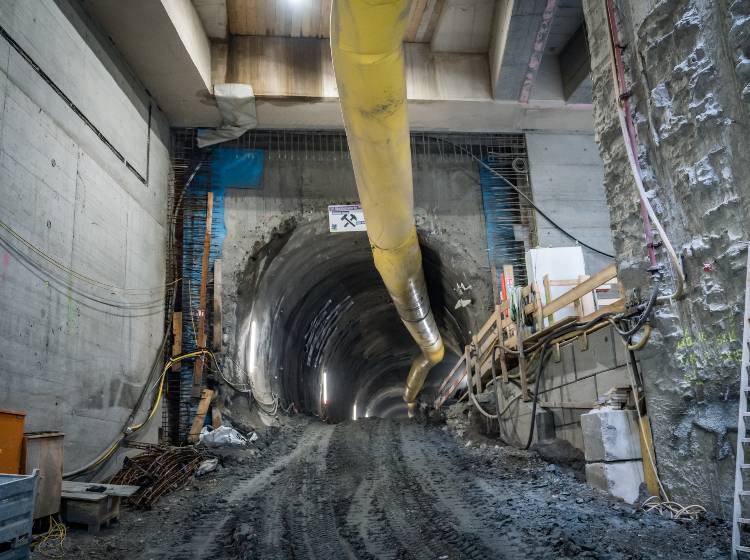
[(688, 69)]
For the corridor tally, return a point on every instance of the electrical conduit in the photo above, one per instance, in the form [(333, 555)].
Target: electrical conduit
[(366, 37)]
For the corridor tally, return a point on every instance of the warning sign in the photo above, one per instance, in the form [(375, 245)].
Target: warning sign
[(346, 217)]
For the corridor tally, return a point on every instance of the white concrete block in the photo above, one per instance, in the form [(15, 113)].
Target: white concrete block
[(621, 479), (611, 435)]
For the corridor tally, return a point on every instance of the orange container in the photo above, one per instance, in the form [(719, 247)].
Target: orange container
[(11, 441)]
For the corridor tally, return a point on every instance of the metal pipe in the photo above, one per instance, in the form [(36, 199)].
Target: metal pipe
[(368, 60)]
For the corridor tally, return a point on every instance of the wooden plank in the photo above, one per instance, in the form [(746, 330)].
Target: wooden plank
[(451, 373), (616, 307), (586, 405), (123, 490), (176, 337), (200, 415), (511, 342), (216, 416), (216, 315), (84, 496), (570, 296), (486, 327), (201, 336)]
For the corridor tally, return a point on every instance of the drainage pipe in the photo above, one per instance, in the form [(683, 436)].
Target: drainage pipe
[(368, 60)]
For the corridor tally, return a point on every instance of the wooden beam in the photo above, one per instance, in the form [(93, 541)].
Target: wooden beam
[(215, 416), (585, 405), (216, 315), (200, 416), (581, 290), (176, 338), (201, 335)]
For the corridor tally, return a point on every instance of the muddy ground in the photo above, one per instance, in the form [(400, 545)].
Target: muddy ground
[(377, 489)]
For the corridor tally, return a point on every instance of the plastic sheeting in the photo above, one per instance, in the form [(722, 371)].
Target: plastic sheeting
[(236, 104)]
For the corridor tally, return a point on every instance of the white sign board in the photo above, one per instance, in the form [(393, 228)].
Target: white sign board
[(346, 217)]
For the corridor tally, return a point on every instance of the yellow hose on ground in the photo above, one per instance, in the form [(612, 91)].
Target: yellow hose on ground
[(366, 46)]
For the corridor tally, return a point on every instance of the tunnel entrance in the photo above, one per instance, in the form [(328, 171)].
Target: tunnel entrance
[(320, 331), (300, 297)]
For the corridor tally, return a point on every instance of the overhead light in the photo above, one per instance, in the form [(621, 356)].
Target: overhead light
[(325, 388), (251, 361), (354, 412)]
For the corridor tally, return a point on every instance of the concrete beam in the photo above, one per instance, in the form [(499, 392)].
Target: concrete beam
[(213, 15), (520, 31), (449, 115), (575, 63), (165, 44), (293, 81), (464, 26)]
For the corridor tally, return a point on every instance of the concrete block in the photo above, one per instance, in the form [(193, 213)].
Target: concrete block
[(617, 377), (622, 479), (611, 435), (600, 355), (545, 425), (583, 390)]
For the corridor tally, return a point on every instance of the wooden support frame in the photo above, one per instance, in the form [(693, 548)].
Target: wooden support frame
[(201, 334), (216, 341), (207, 396), (176, 338)]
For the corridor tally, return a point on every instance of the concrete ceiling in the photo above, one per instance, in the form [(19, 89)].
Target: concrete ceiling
[(460, 26), (471, 65)]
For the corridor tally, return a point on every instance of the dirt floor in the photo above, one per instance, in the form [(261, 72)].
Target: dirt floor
[(377, 489)]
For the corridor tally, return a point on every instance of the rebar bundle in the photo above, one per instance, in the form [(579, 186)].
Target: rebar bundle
[(159, 470)]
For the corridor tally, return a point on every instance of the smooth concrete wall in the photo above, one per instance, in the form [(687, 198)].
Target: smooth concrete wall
[(567, 182), (70, 362)]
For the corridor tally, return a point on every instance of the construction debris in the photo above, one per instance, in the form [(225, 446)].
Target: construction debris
[(224, 435), (159, 470)]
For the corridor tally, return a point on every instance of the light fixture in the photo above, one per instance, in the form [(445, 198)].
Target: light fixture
[(252, 347), (325, 388), (354, 412)]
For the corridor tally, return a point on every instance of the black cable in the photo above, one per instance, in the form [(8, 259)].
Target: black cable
[(493, 368), (539, 375), (527, 199), (73, 107), (643, 318)]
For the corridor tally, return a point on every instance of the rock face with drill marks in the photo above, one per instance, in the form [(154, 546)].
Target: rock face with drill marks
[(687, 66)]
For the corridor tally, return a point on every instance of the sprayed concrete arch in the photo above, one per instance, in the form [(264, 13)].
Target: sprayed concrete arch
[(316, 305)]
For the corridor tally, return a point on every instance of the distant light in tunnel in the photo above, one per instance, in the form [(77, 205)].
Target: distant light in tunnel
[(325, 388), (251, 361), (354, 412)]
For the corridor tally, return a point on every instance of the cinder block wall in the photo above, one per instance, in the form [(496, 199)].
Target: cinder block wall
[(69, 361), (578, 379)]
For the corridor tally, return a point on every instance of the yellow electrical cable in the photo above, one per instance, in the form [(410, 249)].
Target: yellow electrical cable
[(644, 339), (107, 453), (163, 376)]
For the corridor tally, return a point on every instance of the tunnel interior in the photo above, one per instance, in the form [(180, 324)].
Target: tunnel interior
[(319, 330)]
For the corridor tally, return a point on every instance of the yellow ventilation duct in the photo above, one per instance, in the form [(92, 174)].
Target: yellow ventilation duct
[(366, 37)]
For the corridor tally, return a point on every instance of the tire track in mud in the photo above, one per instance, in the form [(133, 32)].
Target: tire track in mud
[(241, 504)]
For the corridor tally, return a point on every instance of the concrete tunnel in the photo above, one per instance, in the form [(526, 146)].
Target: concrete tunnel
[(320, 306), (188, 341)]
